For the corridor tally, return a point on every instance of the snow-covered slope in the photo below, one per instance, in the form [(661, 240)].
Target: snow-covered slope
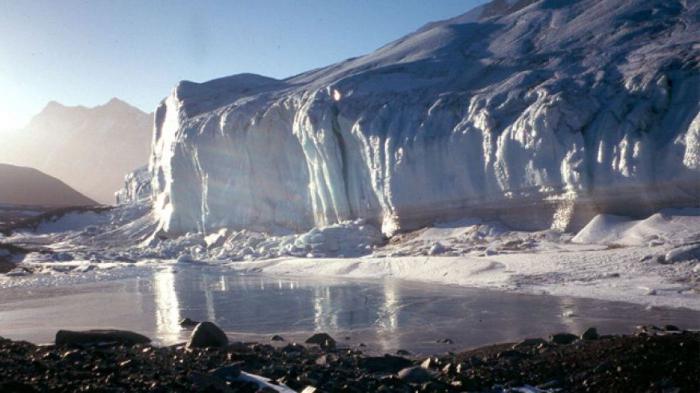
[(536, 113), (92, 149)]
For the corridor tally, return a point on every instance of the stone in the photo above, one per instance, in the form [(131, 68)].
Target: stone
[(207, 334), (227, 373), (327, 359), (188, 323), (94, 337), (414, 374), (403, 352), (323, 340), (563, 338), (528, 342), (590, 334), (384, 364), (277, 338), (672, 328), (445, 341), (431, 362)]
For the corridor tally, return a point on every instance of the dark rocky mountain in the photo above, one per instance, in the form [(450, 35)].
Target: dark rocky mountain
[(28, 186)]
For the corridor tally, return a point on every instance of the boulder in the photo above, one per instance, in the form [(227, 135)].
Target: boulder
[(324, 340), (207, 334), (93, 337), (590, 334), (563, 338)]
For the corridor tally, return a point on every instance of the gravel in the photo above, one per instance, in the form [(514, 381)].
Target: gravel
[(654, 359)]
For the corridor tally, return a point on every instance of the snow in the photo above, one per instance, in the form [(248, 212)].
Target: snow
[(674, 226), (537, 115), (618, 261)]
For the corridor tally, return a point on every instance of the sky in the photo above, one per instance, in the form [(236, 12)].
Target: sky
[(86, 52)]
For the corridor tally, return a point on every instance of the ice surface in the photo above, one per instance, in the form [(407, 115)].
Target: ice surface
[(537, 114)]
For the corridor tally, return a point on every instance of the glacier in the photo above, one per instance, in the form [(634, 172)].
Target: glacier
[(538, 114)]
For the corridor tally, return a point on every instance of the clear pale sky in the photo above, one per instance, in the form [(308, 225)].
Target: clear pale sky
[(85, 52)]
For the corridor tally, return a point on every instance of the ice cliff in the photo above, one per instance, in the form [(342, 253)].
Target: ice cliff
[(537, 113)]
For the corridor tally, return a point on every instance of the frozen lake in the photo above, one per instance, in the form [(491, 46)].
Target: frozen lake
[(386, 315)]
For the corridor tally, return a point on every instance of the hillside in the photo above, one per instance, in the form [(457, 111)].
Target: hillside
[(28, 186)]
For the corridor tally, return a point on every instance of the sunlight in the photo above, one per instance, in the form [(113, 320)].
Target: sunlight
[(167, 305)]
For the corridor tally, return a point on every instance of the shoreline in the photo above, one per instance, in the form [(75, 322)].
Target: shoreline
[(652, 359)]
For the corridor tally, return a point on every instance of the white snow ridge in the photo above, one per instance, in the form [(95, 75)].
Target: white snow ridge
[(537, 113)]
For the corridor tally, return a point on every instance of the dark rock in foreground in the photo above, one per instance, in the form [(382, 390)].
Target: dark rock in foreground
[(188, 323), (664, 361), (94, 337), (563, 338), (322, 339), (207, 334)]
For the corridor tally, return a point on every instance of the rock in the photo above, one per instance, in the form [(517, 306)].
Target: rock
[(590, 334), (322, 339), (227, 373), (529, 342), (445, 341), (414, 374), (188, 323), (563, 338), (277, 338), (207, 334), (449, 369), (431, 362), (509, 354), (403, 352), (16, 387), (672, 328), (437, 249), (93, 337), (293, 347), (207, 382), (384, 364), (327, 359), (309, 389)]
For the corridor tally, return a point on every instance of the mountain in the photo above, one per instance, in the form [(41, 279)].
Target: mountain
[(28, 186), (92, 149), (536, 113)]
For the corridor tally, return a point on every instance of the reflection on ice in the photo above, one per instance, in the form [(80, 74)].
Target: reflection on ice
[(386, 315), (325, 315), (167, 305)]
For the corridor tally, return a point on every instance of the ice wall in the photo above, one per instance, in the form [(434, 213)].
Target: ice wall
[(538, 113), (137, 187)]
